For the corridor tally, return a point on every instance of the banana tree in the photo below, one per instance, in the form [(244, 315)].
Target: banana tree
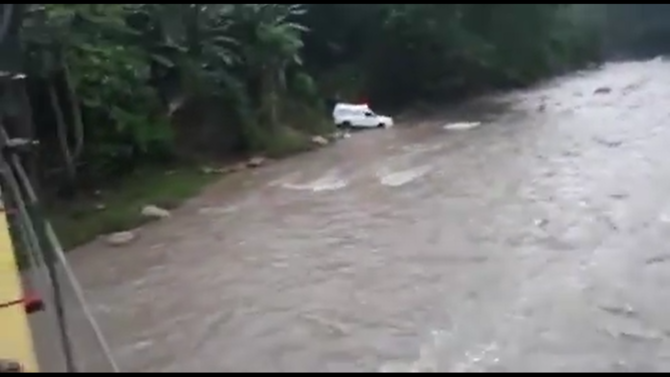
[(190, 41), (271, 41)]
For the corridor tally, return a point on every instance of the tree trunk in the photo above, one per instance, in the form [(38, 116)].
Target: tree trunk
[(76, 112), (269, 98), (70, 168)]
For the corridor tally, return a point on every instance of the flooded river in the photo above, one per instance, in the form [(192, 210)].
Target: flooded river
[(535, 241)]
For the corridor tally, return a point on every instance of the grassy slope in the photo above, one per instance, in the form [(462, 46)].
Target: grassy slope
[(79, 222)]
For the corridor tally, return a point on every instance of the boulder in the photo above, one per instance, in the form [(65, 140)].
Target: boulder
[(255, 162), (319, 140), (156, 212), (121, 238)]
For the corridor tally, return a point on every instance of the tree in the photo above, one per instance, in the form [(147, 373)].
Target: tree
[(117, 76)]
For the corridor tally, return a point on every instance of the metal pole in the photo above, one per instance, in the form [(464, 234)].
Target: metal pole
[(49, 257)]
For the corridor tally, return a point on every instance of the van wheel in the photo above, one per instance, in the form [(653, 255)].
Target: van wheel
[(381, 125), (345, 125)]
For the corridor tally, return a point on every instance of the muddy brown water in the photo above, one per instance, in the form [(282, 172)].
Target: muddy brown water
[(537, 241)]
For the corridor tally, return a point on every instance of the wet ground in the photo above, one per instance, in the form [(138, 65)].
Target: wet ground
[(537, 241)]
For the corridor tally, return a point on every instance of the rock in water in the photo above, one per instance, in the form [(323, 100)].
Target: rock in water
[(156, 212), (603, 90), (319, 140), (121, 238), (256, 162)]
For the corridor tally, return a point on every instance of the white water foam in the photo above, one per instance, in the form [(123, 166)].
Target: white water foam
[(399, 178), (428, 360), (331, 181), (421, 148), (460, 126)]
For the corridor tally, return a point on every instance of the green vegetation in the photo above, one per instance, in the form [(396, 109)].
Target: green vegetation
[(118, 206), (113, 88)]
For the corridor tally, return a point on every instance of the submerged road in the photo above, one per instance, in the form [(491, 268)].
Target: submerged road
[(537, 241)]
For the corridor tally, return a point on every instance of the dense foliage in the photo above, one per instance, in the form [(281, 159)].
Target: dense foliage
[(113, 86)]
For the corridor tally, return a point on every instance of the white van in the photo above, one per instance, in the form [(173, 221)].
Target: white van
[(349, 115)]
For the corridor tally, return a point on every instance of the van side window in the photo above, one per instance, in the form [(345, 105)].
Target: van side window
[(368, 113)]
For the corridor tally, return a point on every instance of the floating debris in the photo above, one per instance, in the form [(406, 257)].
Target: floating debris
[(602, 90), (658, 259)]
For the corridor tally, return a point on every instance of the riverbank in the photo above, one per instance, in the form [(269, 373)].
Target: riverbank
[(118, 207)]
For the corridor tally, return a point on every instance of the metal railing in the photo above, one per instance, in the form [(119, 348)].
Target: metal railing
[(36, 242), (40, 247)]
